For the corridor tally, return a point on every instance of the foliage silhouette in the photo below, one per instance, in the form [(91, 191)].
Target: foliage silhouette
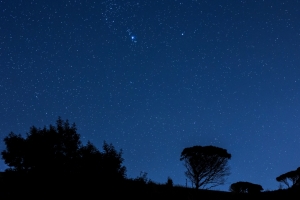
[(142, 178), (112, 162), (291, 176), (169, 182), (245, 187), (206, 166), (58, 151)]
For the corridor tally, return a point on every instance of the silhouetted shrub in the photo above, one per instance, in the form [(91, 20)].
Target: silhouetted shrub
[(169, 182), (245, 187), (142, 178)]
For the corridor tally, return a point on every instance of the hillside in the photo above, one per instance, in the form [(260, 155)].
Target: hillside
[(89, 187)]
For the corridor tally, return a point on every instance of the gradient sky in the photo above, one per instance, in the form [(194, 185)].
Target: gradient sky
[(154, 77)]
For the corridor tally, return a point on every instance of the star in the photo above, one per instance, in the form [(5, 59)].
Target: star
[(133, 39)]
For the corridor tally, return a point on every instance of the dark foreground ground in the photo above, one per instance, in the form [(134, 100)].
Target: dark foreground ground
[(91, 188)]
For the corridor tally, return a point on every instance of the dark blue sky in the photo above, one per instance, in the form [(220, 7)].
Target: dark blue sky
[(154, 77)]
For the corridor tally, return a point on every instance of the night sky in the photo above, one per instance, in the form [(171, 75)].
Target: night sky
[(155, 76)]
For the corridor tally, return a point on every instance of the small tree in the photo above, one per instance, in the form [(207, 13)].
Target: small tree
[(292, 177), (206, 166)]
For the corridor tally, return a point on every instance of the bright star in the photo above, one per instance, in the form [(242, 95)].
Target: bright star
[(133, 39)]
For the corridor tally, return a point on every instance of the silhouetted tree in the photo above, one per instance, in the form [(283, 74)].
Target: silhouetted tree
[(245, 187), (206, 165), (291, 176), (112, 162), (52, 149), (58, 150)]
